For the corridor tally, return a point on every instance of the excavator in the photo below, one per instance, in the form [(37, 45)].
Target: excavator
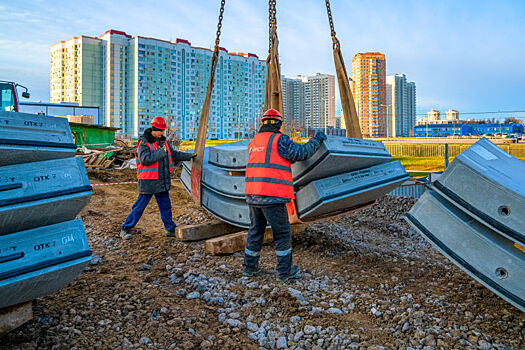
[(9, 96)]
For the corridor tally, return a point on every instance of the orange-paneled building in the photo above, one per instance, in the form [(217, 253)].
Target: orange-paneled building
[(369, 88)]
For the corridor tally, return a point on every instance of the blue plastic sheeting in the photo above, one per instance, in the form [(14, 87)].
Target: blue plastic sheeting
[(476, 248), (37, 262), (28, 138), (489, 183), (42, 193), (349, 190)]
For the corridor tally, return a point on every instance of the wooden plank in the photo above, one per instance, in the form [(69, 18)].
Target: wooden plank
[(205, 230), (235, 242), (14, 316)]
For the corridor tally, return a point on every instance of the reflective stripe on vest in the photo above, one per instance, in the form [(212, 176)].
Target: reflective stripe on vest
[(151, 172), (267, 173)]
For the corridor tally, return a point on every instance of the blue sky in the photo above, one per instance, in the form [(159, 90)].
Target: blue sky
[(467, 55)]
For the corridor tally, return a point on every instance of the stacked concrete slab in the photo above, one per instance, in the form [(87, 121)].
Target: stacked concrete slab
[(344, 174), (474, 215), (42, 189)]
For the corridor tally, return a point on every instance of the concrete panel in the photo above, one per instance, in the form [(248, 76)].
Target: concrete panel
[(42, 193), (350, 190), (36, 262), (231, 210), (28, 138), (490, 183), (486, 256), (230, 156), (219, 180), (339, 155)]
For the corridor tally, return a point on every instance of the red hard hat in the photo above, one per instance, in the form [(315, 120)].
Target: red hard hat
[(159, 123), (272, 114)]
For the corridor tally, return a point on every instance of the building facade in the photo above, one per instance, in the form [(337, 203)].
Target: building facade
[(369, 88), (133, 79), (452, 115), (309, 102), (460, 129), (293, 102), (401, 106)]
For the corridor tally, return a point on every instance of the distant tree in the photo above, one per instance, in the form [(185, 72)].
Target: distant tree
[(514, 120)]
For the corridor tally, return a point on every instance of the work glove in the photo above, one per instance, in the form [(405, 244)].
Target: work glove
[(162, 145), (193, 155), (320, 136)]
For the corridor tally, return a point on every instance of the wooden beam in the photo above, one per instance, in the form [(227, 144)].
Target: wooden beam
[(235, 242), (14, 316), (205, 230)]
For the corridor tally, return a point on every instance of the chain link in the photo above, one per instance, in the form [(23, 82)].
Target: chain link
[(219, 25), (331, 21), (272, 21)]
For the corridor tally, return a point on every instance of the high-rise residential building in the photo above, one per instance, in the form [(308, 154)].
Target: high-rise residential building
[(452, 115), (309, 102), (369, 88), (401, 105), (434, 115), (293, 102), (133, 79)]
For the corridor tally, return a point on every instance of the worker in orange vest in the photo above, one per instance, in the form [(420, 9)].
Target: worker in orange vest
[(155, 158), (269, 186)]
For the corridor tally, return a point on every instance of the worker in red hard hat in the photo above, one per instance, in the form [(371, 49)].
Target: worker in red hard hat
[(269, 186), (155, 161)]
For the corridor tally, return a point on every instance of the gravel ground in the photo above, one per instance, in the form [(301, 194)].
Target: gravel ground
[(367, 282)]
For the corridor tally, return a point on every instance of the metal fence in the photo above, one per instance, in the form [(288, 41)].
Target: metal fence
[(438, 150), (410, 189)]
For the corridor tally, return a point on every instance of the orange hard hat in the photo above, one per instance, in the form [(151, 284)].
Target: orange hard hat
[(159, 123), (272, 114)]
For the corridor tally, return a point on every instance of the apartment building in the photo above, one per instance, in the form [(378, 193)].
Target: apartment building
[(401, 105), (309, 101), (133, 79), (369, 88)]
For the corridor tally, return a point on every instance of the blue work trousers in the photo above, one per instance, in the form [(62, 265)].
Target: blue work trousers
[(164, 203), (277, 217)]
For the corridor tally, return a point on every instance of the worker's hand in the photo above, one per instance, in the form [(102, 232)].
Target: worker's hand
[(193, 155), (162, 145), (320, 136)]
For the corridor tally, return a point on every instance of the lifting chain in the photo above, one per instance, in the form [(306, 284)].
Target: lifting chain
[(332, 30), (272, 22), (219, 25)]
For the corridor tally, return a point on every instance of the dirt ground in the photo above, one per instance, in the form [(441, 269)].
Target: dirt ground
[(367, 282)]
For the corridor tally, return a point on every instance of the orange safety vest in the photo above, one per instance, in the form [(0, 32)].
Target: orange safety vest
[(267, 173), (151, 172)]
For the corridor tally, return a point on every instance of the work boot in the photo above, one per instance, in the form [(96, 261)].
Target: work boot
[(170, 233), (294, 273), (251, 272), (125, 234)]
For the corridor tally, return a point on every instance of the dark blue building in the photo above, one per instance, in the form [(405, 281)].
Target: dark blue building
[(444, 130)]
